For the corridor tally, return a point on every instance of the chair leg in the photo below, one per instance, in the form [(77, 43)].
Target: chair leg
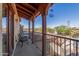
[(21, 44)]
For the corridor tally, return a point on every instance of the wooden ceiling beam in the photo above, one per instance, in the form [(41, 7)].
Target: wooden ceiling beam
[(43, 8), (35, 15), (47, 7), (37, 12), (13, 6), (23, 12), (19, 6), (30, 6), (14, 10), (22, 15)]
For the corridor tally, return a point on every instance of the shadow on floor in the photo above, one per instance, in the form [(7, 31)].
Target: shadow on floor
[(28, 49)]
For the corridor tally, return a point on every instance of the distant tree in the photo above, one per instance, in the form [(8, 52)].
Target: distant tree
[(40, 29), (63, 30), (36, 29), (50, 30)]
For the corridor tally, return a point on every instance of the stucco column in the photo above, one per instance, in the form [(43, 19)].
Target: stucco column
[(16, 29), (0, 28)]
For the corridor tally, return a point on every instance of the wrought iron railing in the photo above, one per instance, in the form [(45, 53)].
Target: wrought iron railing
[(60, 45), (57, 45)]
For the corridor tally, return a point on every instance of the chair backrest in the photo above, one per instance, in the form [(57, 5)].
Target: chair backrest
[(20, 36)]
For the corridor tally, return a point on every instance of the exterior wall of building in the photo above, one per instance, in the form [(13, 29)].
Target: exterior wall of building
[(0, 29), (16, 29)]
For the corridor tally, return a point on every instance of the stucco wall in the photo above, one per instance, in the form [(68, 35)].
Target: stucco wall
[(16, 29)]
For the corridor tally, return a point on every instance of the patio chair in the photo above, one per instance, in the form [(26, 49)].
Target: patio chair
[(22, 39)]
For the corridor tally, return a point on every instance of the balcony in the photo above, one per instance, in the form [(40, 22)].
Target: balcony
[(37, 44), (56, 45)]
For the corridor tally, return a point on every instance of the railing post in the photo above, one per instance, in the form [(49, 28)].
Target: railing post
[(43, 34), (70, 47), (8, 50), (32, 31), (76, 48), (29, 28), (10, 30), (64, 47)]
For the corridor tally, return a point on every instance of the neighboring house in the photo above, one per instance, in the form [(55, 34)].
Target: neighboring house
[(25, 29), (75, 30)]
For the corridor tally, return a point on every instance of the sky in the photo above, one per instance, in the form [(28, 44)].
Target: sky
[(62, 14)]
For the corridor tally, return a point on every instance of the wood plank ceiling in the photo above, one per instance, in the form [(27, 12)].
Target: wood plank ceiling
[(28, 10)]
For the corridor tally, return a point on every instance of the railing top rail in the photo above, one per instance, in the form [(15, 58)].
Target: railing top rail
[(60, 36)]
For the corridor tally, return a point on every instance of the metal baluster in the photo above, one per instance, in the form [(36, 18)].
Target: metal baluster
[(60, 46), (57, 46), (54, 45), (70, 47), (49, 45), (76, 48), (64, 46)]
